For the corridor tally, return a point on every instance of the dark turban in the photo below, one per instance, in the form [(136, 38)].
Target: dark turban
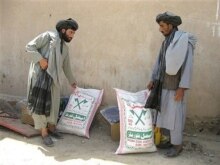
[(170, 18), (67, 24)]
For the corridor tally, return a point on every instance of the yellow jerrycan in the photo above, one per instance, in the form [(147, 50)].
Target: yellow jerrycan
[(157, 135)]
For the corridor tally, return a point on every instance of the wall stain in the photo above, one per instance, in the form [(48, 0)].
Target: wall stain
[(3, 75)]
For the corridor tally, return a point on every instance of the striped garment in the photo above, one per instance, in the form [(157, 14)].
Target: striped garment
[(39, 98)]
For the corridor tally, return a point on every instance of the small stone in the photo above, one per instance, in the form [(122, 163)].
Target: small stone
[(201, 129), (211, 155), (194, 135)]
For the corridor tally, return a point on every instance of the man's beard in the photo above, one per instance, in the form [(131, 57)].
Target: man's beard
[(166, 34), (65, 37)]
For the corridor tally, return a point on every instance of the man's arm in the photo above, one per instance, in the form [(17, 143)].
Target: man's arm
[(186, 70), (67, 71), (186, 74), (153, 74), (34, 45)]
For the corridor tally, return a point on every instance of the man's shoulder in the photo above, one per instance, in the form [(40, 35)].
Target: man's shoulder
[(48, 34), (51, 34), (182, 35)]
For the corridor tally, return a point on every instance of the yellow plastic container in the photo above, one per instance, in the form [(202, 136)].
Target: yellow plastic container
[(157, 135)]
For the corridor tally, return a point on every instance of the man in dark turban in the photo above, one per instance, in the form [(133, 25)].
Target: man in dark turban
[(50, 56), (66, 24), (169, 18), (171, 79)]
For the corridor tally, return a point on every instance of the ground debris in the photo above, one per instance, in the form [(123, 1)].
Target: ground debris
[(192, 146), (202, 125), (7, 110)]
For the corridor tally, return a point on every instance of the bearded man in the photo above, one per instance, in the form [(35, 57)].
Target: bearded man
[(50, 55), (171, 76)]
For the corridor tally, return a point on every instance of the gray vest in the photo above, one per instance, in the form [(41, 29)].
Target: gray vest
[(171, 82)]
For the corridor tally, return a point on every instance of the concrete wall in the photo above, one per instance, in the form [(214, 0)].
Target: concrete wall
[(115, 46), (1, 33)]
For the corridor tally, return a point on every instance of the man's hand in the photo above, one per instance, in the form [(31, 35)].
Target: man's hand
[(179, 94), (150, 85), (43, 64), (73, 86)]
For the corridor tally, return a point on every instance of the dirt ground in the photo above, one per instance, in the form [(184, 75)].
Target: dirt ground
[(200, 148)]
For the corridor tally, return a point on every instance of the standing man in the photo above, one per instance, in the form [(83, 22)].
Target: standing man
[(50, 56), (173, 71)]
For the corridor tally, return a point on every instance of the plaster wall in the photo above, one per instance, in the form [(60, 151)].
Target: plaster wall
[(116, 44)]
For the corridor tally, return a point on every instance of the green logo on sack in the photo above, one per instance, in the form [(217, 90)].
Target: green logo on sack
[(75, 116), (139, 135), (143, 112), (78, 103)]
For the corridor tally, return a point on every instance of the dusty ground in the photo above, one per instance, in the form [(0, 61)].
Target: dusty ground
[(199, 148)]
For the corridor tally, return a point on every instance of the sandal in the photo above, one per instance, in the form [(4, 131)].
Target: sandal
[(166, 145), (55, 134), (173, 152), (48, 141)]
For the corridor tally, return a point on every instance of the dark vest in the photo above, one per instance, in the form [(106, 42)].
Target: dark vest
[(171, 82)]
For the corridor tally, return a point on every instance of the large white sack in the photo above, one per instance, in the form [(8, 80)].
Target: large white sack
[(136, 129), (80, 111)]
